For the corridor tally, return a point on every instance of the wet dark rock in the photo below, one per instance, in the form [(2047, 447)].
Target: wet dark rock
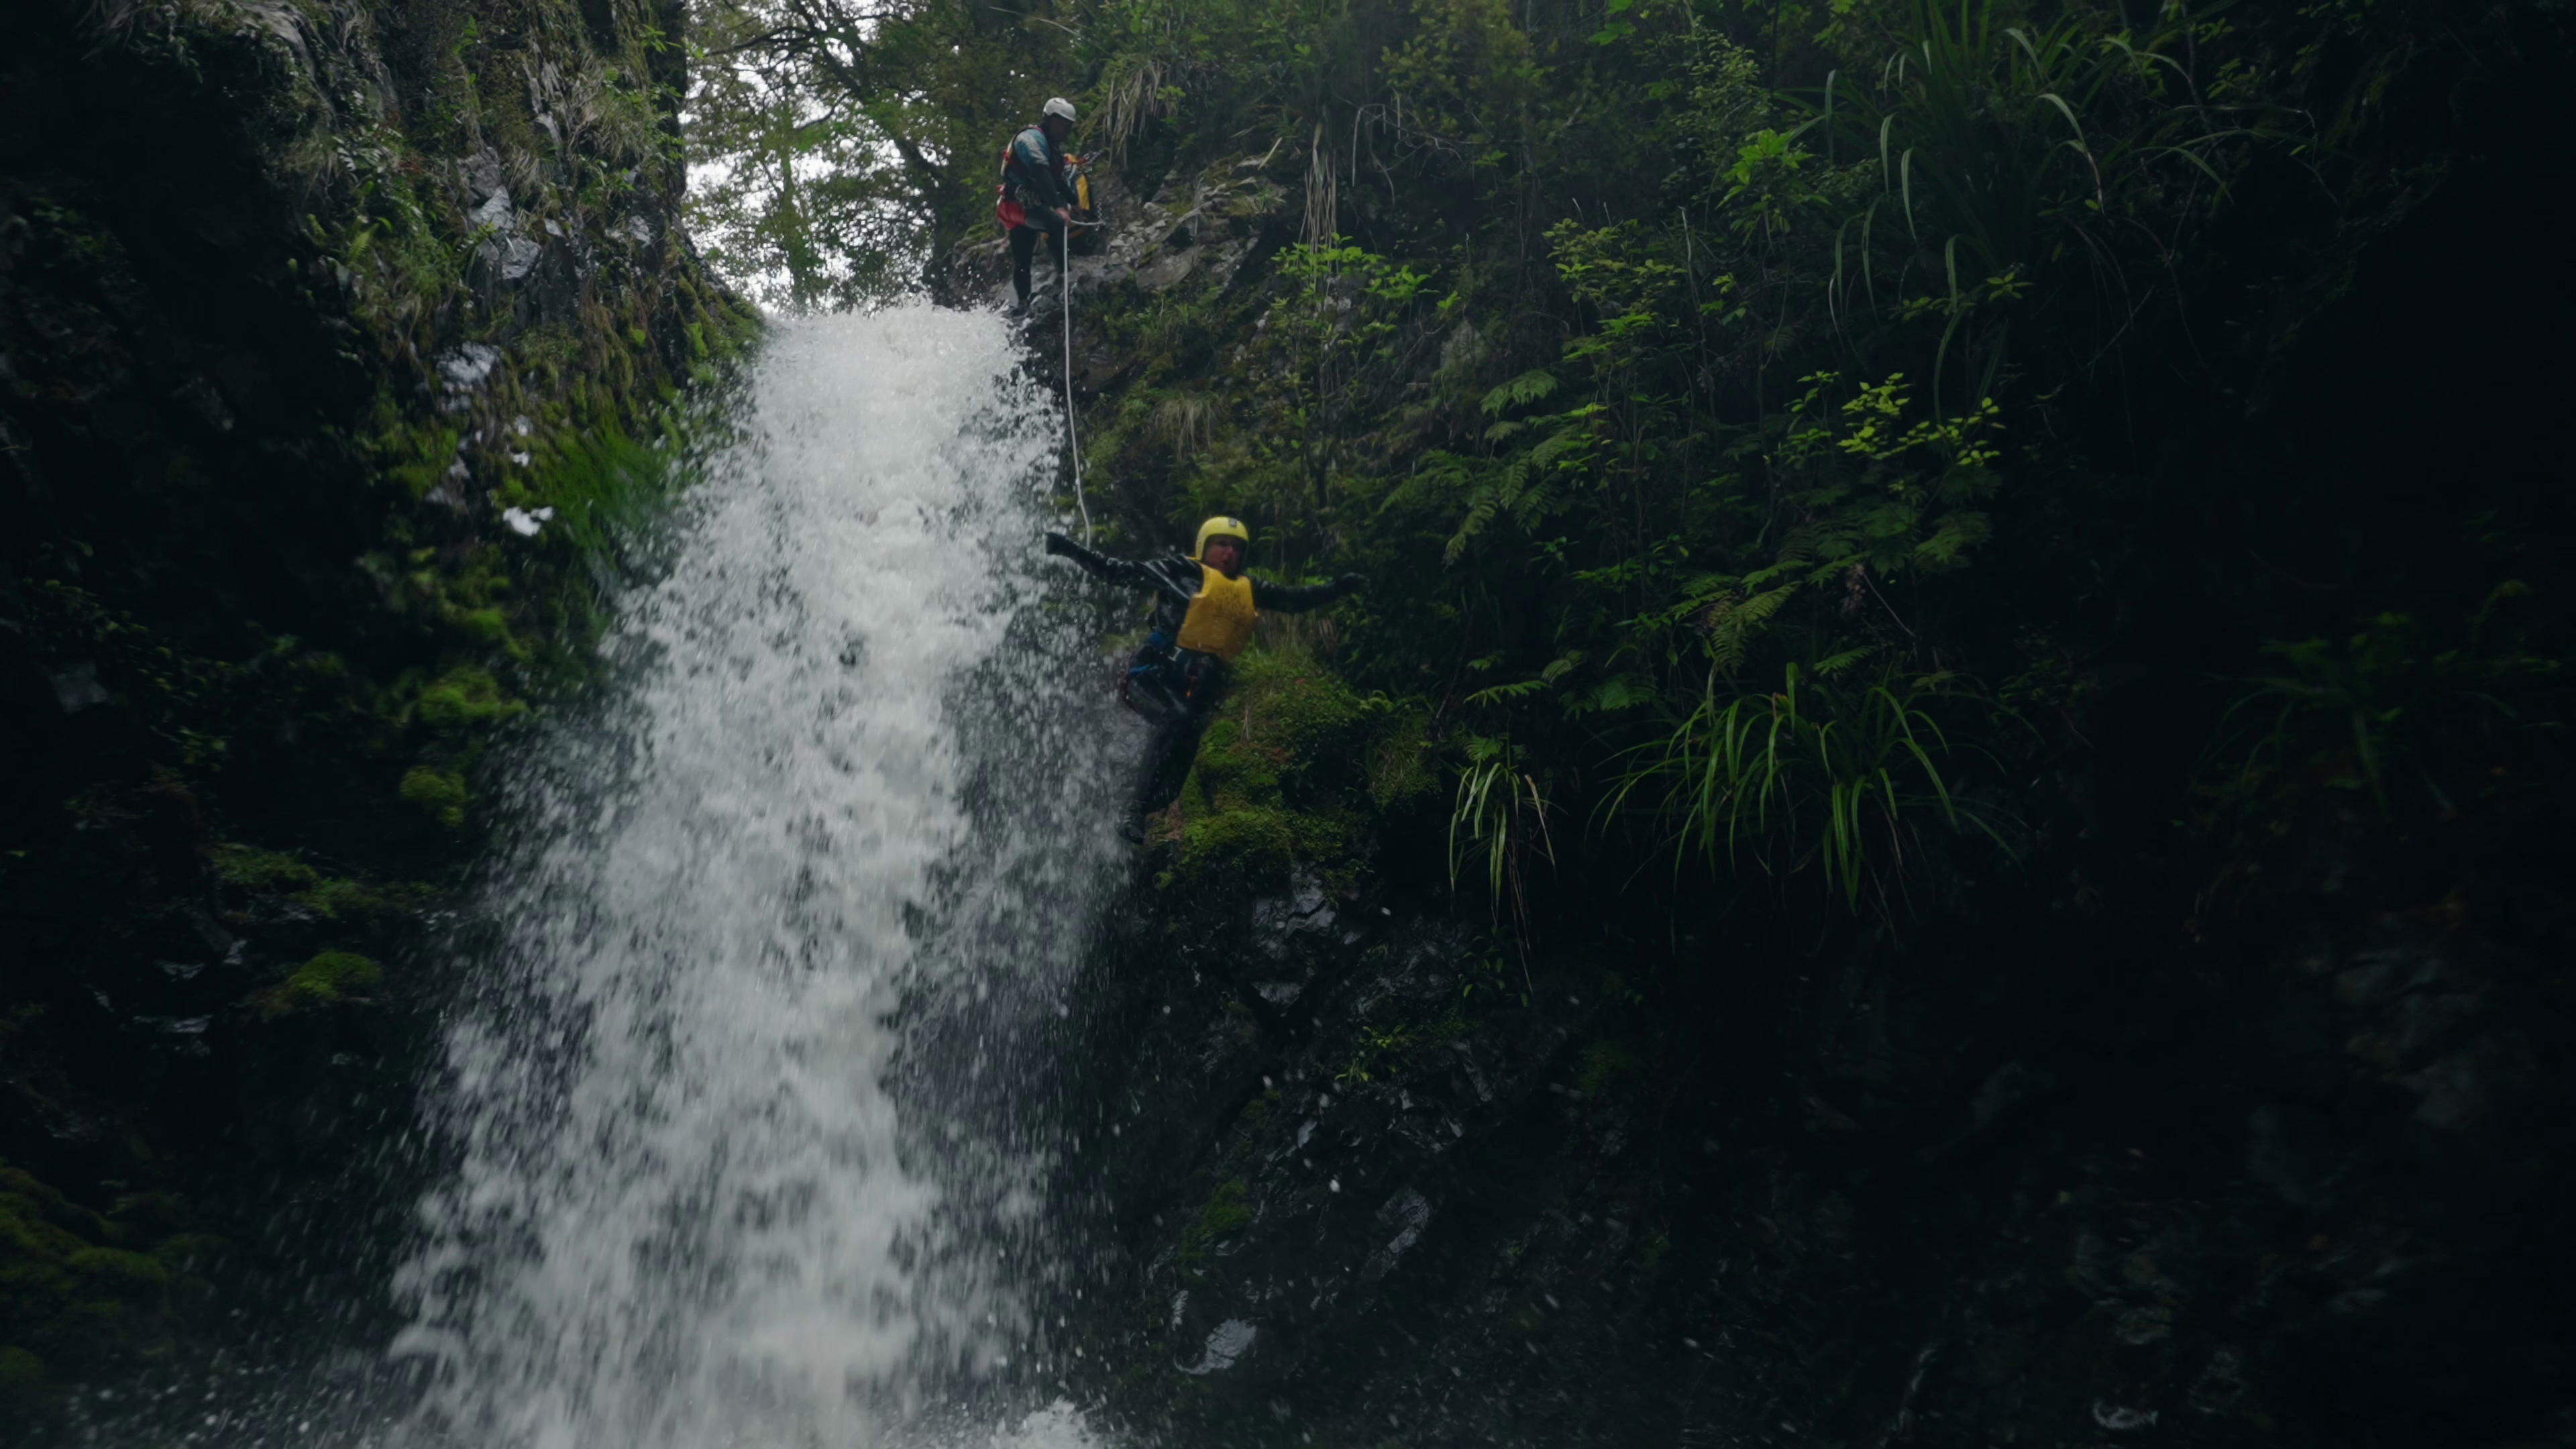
[(2293, 1186)]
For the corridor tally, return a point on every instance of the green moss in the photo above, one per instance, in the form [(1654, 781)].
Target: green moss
[(253, 869), (327, 979), (339, 899), (1249, 846), (185, 1253), (1606, 1062), (22, 1376), (415, 455), (118, 1271), (1274, 772), (1293, 703), (601, 482), (486, 626), (249, 868), (1234, 771), (1250, 843), (440, 794), (1400, 763), (75, 1295), (36, 1219), (1227, 1208), (465, 697), (551, 353), (1258, 1110)]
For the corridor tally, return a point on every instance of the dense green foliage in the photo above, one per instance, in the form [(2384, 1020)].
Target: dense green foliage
[(1757, 417)]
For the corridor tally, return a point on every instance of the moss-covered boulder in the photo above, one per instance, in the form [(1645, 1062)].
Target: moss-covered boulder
[(1291, 772)]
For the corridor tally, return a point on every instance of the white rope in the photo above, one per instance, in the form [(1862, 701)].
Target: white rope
[(1072, 443)]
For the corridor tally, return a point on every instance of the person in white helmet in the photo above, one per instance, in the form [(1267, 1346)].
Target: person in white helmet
[(1036, 196)]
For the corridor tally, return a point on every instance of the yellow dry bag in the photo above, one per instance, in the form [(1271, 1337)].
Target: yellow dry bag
[(1220, 618)]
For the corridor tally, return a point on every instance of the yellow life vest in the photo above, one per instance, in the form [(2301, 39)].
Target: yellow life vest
[(1220, 618)]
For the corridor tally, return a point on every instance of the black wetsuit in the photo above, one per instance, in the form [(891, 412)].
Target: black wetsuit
[(1174, 581)]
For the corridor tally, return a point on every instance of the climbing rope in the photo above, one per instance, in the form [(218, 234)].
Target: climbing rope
[(1072, 443)]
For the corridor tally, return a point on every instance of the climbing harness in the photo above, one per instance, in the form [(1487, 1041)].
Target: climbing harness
[(1162, 681)]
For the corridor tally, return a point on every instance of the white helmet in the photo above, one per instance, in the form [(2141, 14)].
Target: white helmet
[(1059, 106)]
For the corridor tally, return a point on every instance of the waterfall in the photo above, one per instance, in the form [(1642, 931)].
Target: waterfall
[(734, 1095)]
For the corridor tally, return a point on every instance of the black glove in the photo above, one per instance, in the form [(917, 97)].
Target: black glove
[(1352, 583), (1062, 546)]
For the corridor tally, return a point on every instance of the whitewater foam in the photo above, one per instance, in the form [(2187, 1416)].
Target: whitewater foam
[(828, 833)]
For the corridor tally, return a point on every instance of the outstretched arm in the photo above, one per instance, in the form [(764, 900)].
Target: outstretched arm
[(1123, 572), (1302, 598)]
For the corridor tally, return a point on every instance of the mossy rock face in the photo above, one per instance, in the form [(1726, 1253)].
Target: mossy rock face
[(80, 1291), (1295, 703), (1236, 769), (266, 560), (1251, 844), (1289, 771), (253, 869), (1228, 1209), (338, 898)]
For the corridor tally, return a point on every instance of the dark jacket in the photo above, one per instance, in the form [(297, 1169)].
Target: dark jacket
[(1174, 581), (1034, 173)]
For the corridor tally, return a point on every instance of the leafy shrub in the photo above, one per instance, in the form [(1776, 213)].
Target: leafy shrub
[(2393, 714)]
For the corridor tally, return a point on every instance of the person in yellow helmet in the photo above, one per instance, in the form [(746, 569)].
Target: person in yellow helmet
[(1204, 608)]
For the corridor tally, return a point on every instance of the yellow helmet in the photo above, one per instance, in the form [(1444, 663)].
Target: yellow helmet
[(1222, 528)]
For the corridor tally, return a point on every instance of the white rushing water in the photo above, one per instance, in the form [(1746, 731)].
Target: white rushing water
[(731, 1099)]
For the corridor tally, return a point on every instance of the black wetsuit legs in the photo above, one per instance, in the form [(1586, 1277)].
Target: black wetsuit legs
[(1168, 758), (1174, 748), (1024, 240)]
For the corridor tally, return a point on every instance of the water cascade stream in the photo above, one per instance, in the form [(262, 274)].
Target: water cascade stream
[(736, 1096)]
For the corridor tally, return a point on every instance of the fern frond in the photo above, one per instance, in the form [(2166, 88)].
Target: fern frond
[(1480, 511), (1528, 387)]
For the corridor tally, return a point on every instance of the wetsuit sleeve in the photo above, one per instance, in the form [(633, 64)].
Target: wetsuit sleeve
[(1298, 598), (1123, 572)]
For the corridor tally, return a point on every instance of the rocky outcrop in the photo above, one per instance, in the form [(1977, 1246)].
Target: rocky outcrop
[(2295, 1184)]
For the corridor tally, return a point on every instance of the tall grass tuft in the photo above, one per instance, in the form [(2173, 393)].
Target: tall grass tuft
[(1500, 815), (1801, 777), (2004, 151)]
